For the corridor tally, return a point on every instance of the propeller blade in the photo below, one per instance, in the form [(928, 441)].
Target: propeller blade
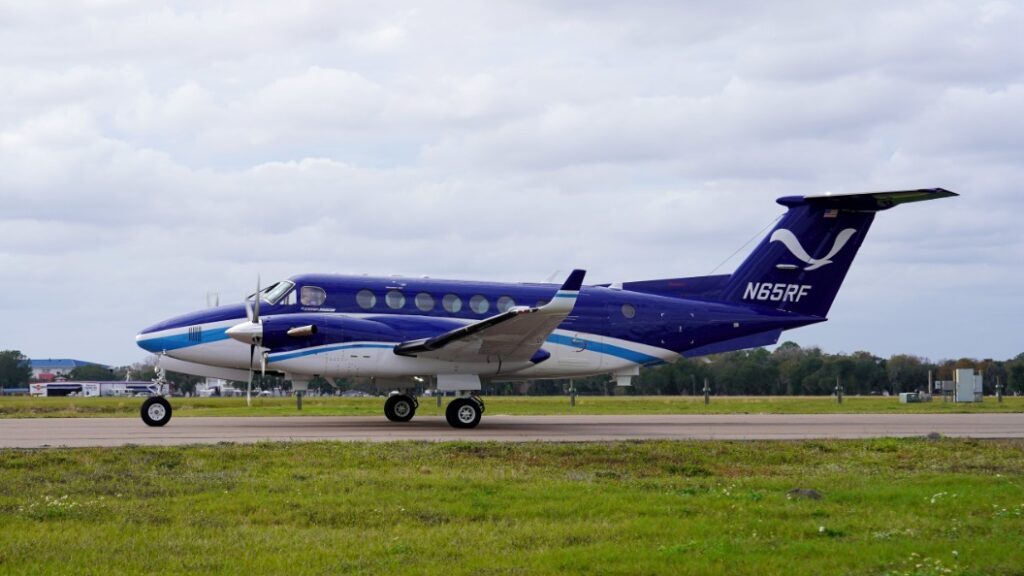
[(248, 386), (258, 298), (248, 310), (263, 364)]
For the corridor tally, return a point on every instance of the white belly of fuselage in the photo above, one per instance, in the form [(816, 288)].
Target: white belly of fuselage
[(575, 354)]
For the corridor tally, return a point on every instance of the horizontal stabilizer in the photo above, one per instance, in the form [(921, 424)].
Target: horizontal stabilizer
[(868, 201)]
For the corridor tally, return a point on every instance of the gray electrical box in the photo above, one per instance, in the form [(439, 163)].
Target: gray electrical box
[(968, 385), (909, 397)]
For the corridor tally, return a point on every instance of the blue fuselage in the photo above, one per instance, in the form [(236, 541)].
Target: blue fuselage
[(608, 330)]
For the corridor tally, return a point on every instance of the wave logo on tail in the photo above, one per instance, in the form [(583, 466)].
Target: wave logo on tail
[(790, 241)]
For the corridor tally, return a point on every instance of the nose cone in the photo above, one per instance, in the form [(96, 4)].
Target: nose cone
[(148, 343), (246, 332)]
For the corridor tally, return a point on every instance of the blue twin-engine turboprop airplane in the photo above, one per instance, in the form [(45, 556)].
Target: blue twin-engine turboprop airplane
[(401, 331)]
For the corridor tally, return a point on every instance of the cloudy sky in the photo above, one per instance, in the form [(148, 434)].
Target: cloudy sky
[(151, 153)]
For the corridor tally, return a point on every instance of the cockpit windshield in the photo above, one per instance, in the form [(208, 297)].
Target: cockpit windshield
[(274, 293)]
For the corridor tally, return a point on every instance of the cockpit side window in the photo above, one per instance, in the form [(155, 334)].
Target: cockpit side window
[(278, 293), (312, 296), (290, 299)]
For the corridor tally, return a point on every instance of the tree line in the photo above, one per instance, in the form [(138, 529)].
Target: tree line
[(788, 370), (791, 370)]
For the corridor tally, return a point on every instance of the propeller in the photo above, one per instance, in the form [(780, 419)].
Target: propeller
[(253, 314)]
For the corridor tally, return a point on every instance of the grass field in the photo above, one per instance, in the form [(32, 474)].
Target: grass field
[(888, 506), (25, 407)]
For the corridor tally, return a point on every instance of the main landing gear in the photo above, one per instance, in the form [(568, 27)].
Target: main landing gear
[(400, 407), (156, 411), (462, 412)]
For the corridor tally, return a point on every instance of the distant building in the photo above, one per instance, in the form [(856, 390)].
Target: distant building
[(49, 369)]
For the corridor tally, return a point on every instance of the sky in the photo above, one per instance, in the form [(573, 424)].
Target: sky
[(152, 153)]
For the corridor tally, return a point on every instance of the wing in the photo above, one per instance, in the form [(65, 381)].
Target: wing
[(514, 335)]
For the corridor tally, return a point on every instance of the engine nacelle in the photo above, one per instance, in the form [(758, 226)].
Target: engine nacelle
[(294, 331)]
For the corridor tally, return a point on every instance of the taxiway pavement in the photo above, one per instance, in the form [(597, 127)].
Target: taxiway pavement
[(44, 432)]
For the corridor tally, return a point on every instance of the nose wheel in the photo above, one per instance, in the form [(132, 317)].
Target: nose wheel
[(156, 411)]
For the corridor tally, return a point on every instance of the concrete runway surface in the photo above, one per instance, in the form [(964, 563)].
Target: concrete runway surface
[(43, 432)]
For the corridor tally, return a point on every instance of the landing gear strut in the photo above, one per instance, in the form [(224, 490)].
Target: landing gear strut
[(400, 407), (156, 411)]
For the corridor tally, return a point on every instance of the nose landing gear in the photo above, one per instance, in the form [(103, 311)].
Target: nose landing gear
[(156, 411)]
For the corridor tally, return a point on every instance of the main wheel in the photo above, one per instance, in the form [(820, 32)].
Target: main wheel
[(156, 411), (463, 413), (400, 408)]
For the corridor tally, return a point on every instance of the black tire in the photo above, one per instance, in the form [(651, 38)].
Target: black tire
[(156, 411), (479, 401), (400, 408), (463, 413)]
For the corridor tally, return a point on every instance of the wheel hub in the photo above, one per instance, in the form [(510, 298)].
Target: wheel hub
[(402, 409), (156, 412), (466, 414)]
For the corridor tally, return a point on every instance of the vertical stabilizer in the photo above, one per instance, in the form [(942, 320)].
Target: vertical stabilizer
[(800, 266)]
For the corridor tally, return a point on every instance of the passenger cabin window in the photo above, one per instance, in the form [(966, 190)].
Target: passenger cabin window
[(425, 302), (366, 299), (505, 303), (312, 296), (628, 310), (451, 303), (395, 299), (479, 304)]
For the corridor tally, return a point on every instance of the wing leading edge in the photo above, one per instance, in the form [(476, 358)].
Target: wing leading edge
[(515, 335)]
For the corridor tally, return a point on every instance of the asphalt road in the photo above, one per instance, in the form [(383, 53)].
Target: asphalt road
[(42, 432)]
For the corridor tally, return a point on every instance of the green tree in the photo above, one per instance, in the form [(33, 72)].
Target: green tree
[(15, 369), (1015, 373), (93, 372), (907, 373)]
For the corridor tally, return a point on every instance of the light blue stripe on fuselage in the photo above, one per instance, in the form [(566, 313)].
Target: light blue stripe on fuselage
[(183, 340), (313, 351), (598, 347), (602, 348)]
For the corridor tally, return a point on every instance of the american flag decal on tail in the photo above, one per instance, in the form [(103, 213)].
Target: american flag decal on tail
[(833, 213)]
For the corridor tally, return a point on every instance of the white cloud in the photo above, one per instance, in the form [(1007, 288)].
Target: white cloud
[(149, 154)]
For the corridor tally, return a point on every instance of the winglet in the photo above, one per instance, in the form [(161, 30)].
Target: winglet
[(565, 299), (574, 282)]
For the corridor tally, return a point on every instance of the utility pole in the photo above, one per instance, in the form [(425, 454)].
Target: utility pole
[(707, 392)]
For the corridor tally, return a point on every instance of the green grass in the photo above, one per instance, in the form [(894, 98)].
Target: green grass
[(25, 407), (889, 507)]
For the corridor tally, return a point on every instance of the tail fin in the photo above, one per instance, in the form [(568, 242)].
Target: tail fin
[(801, 264)]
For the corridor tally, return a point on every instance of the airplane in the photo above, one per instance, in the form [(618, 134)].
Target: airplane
[(400, 332)]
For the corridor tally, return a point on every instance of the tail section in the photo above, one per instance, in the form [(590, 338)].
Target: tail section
[(801, 264)]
